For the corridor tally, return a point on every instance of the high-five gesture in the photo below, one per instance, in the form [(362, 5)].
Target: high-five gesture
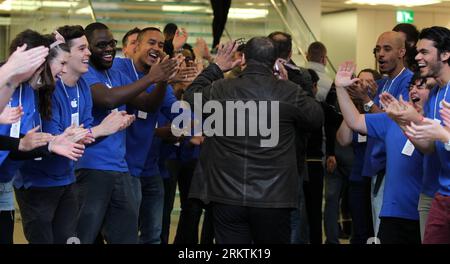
[(224, 58), (23, 63), (179, 39), (344, 75)]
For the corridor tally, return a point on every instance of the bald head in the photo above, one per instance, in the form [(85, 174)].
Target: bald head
[(389, 52), (396, 38)]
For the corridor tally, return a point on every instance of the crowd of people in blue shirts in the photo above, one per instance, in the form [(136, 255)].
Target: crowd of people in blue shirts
[(88, 151)]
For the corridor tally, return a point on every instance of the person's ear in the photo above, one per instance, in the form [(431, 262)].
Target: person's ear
[(243, 59), (402, 52), (445, 56)]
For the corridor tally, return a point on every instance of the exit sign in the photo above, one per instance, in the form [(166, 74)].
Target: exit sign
[(405, 16)]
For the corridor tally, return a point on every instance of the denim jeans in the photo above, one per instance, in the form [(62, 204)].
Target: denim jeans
[(299, 217), (151, 210), (424, 209), (107, 205), (48, 213), (335, 183), (377, 203), (6, 196)]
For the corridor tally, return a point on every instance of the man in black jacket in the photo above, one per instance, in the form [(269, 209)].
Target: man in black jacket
[(252, 187)]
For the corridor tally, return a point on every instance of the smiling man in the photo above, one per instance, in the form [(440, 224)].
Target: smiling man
[(107, 199)]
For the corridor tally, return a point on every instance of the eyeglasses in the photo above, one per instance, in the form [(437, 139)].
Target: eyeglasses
[(104, 44)]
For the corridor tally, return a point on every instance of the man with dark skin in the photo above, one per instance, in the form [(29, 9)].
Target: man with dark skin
[(107, 199)]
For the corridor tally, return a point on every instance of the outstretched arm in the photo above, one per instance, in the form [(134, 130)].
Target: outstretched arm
[(352, 117)]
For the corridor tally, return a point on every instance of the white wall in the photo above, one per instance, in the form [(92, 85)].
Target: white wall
[(311, 12), (338, 33)]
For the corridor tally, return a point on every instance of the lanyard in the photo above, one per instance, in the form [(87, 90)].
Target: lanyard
[(109, 84), (36, 102), (437, 98), (68, 98), (392, 82), (134, 69), (20, 95)]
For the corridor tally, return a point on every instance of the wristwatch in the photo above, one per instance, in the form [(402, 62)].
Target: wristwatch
[(368, 105)]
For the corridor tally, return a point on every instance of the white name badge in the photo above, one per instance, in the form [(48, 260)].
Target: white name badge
[(75, 119), (15, 130), (38, 159), (437, 120), (142, 115), (362, 138), (408, 149)]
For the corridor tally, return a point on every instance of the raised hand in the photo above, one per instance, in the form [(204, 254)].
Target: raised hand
[(224, 58), (186, 73), (201, 49), (163, 69), (372, 87), (34, 139), (386, 99), (358, 92), (23, 63), (63, 145), (344, 75), (11, 115), (179, 39)]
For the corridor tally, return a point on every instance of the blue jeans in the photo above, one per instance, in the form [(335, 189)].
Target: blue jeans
[(377, 203), (334, 185), (107, 205), (151, 210), (299, 218), (6, 196)]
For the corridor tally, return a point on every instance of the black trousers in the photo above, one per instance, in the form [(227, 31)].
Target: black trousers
[(395, 230), (245, 225), (49, 215), (360, 210), (191, 211), (6, 227), (313, 189), (220, 11)]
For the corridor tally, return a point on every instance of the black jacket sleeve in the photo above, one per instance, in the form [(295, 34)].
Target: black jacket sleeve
[(203, 84), (25, 155), (9, 143)]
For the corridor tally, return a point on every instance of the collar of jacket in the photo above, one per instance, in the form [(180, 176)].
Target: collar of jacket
[(254, 67)]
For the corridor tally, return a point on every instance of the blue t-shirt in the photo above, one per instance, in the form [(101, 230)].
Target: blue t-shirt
[(403, 181), (107, 153), (359, 149), (140, 134), (55, 170), (435, 97), (151, 164), (25, 95), (375, 158)]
